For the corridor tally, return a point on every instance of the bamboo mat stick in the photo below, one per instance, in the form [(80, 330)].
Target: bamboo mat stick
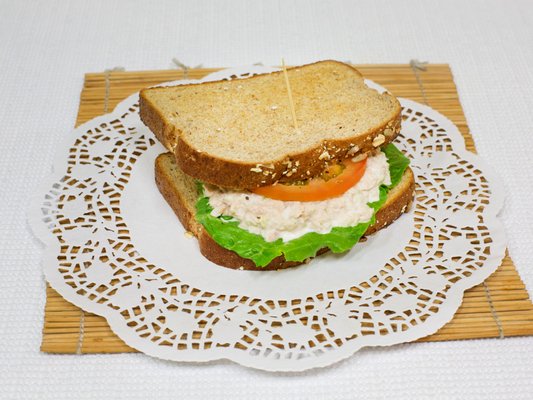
[(474, 319)]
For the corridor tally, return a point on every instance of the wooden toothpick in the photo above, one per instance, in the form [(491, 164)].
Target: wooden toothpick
[(289, 92)]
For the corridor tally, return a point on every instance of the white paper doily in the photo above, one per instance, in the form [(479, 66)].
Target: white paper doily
[(115, 248)]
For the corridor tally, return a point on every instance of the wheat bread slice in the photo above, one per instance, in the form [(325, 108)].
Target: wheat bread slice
[(240, 133), (180, 192)]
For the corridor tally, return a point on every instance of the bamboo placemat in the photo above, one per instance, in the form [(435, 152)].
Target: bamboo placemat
[(500, 307)]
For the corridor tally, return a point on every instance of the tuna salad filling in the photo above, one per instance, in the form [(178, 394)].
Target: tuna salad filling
[(261, 229), (287, 220)]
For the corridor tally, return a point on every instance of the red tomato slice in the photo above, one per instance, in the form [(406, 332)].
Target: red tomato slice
[(317, 189)]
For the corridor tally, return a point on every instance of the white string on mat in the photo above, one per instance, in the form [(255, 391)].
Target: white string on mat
[(418, 66), (493, 311), (184, 68), (81, 334), (107, 85)]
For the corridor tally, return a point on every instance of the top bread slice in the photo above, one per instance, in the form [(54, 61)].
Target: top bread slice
[(240, 133)]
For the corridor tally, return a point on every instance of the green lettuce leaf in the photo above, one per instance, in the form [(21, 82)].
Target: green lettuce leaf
[(226, 231)]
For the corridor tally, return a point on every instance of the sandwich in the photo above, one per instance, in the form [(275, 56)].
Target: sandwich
[(273, 170)]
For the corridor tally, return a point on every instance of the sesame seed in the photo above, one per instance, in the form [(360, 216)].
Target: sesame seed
[(288, 163), (353, 150), (324, 155), (378, 140), (360, 157)]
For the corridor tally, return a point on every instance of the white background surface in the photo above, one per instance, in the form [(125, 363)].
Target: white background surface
[(45, 47)]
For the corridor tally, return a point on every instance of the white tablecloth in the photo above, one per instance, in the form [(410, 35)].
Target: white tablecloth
[(45, 47)]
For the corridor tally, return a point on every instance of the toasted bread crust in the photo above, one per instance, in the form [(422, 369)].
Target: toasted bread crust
[(155, 121), (174, 196), (289, 168), (398, 202)]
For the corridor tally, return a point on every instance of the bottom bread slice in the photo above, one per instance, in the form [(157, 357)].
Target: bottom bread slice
[(180, 192)]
